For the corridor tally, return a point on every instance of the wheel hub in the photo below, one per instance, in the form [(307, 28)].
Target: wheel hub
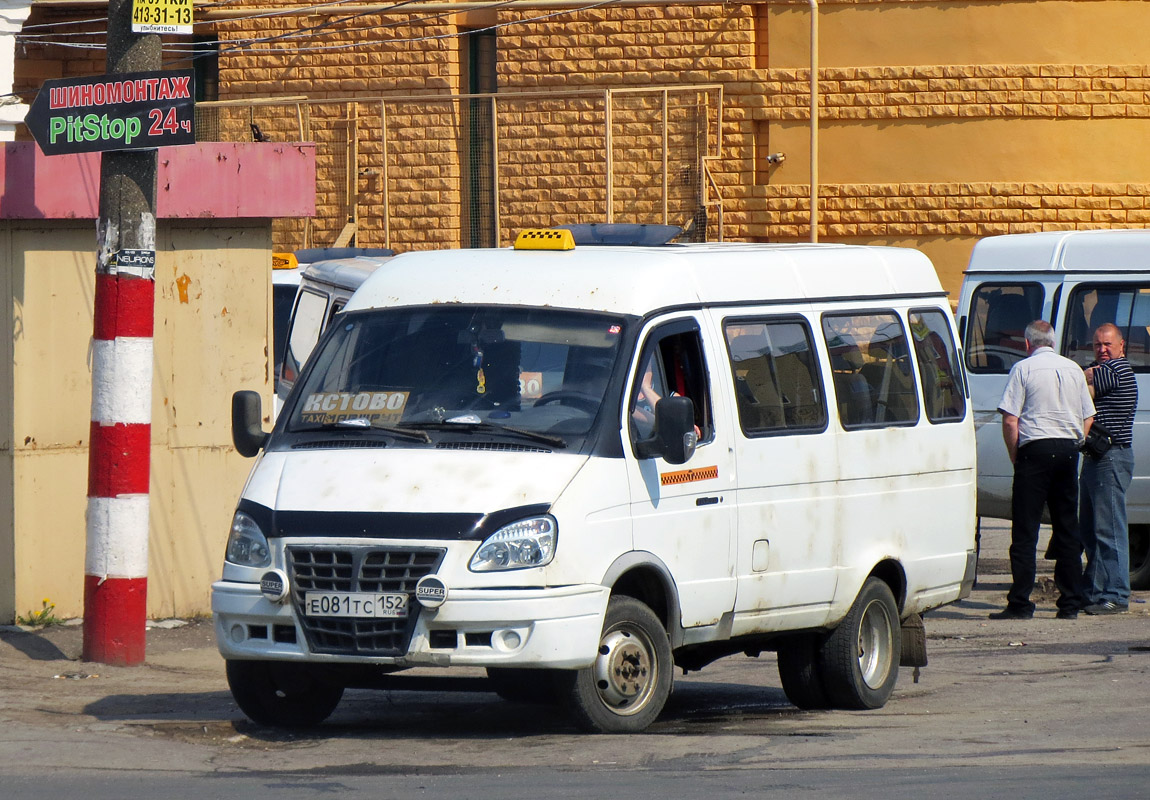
[(875, 648), (623, 671)]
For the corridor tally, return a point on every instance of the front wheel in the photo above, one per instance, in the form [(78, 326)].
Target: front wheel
[(281, 694), (1140, 557), (626, 688), (860, 657)]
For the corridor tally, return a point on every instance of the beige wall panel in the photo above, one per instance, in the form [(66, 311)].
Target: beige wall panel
[(1028, 149), (7, 540), (213, 300), (213, 311), (194, 494), (51, 496), (1019, 32), (52, 288)]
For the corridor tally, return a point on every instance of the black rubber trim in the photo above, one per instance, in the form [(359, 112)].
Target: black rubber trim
[(385, 524)]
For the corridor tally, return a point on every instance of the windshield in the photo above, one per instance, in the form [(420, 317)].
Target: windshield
[(540, 371)]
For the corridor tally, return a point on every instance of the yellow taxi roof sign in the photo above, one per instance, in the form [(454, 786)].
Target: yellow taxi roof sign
[(284, 261), (545, 239)]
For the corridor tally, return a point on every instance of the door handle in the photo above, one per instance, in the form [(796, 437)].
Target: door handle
[(707, 501)]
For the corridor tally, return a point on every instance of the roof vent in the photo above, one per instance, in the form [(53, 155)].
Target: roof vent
[(623, 233), (314, 254)]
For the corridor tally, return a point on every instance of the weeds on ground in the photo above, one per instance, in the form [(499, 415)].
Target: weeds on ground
[(40, 619)]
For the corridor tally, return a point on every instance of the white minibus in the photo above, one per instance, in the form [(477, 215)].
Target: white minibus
[(1076, 280), (579, 465)]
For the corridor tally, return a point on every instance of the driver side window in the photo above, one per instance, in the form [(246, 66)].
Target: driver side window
[(671, 364)]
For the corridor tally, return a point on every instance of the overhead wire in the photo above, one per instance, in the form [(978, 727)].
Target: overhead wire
[(200, 7), (204, 48), (209, 48), (431, 37), (302, 34)]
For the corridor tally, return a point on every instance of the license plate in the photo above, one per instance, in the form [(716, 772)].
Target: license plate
[(355, 604)]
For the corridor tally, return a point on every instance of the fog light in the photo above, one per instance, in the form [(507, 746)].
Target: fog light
[(237, 633), (509, 640)]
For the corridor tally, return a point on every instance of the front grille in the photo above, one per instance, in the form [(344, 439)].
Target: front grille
[(359, 569)]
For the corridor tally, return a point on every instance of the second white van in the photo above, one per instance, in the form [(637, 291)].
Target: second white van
[(1076, 280), (322, 289)]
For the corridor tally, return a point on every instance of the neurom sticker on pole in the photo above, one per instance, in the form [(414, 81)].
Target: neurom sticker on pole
[(140, 263)]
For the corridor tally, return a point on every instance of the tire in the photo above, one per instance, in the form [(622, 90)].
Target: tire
[(626, 688), (281, 694), (1140, 557), (860, 657), (523, 685), (800, 672)]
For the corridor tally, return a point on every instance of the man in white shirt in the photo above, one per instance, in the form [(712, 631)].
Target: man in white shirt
[(1046, 412)]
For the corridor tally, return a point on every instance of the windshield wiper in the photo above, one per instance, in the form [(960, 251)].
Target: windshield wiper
[(365, 425), (477, 425)]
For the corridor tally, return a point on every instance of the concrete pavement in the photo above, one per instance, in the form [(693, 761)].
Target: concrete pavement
[(995, 693)]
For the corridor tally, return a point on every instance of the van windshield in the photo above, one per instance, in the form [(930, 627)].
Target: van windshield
[(460, 368), (999, 314)]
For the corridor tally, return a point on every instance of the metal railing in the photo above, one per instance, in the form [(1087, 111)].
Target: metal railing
[(424, 171)]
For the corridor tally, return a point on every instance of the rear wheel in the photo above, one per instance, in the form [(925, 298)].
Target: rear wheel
[(1140, 557), (799, 671), (282, 694), (860, 657), (626, 688)]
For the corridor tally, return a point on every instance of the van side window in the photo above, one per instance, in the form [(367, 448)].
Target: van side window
[(870, 361), (1128, 307), (777, 385), (999, 314), (306, 326), (943, 397), (671, 364)]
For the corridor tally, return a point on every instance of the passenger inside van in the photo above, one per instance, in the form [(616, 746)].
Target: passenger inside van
[(776, 380), (870, 360)]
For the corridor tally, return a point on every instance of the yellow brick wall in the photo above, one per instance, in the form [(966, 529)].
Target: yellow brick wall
[(941, 120)]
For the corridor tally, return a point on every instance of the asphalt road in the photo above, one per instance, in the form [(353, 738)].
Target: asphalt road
[(1039, 709)]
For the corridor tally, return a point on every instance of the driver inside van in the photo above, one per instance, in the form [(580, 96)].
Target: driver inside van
[(646, 396), (651, 388)]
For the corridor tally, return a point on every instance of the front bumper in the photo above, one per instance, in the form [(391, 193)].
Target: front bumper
[(544, 628)]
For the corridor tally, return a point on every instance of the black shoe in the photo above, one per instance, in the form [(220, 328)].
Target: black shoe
[(1066, 613), (1011, 613), (1105, 608)]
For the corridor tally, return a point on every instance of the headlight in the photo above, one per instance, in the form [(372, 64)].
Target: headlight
[(523, 544), (247, 545)]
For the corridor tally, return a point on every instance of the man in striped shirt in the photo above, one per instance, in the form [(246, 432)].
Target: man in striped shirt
[(1104, 481)]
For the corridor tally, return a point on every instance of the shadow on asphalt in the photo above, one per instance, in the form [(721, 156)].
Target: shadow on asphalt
[(34, 647), (694, 707), (189, 706)]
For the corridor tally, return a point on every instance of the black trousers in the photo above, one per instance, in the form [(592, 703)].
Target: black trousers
[(1046, 475)]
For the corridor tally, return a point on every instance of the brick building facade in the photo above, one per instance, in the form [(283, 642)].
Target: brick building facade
[(941, 121)]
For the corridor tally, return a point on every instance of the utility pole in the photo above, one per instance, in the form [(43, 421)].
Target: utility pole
[(116, 559)]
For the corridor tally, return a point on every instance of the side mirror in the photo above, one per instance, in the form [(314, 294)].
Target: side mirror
[(247, 432), (674, 438)]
